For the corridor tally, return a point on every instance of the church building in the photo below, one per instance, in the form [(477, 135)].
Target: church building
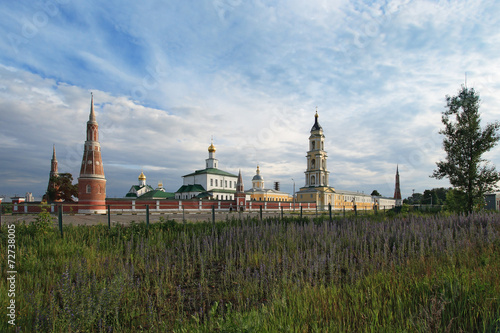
[(138, 190), (145, 191), (208, 183), (259, 193)]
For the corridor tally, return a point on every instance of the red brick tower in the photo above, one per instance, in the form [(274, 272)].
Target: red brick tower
[(53, 173), (397, 190), (240, 195), (92, 183)]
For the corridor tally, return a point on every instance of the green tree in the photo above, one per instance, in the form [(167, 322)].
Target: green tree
[(430, 197), (456, 201), (375, 193), (464, 143), (64, 188)]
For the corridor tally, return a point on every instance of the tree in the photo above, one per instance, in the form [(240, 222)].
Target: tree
[(63, 189), (464, 143), (375, 193)]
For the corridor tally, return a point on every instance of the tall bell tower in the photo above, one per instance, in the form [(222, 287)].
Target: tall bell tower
[(92, 183), (316, 172)]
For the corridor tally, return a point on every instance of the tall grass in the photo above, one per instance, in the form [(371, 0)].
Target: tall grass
[(417, 273)]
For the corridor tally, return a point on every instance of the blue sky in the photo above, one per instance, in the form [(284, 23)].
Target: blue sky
[(167, 76)]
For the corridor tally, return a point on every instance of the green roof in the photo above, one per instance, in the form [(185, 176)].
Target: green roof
[(214, 190), (131, 195), (190, 188), (212, 171), (157, 194)]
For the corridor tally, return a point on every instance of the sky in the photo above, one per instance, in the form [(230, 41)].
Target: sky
[(167, 76)]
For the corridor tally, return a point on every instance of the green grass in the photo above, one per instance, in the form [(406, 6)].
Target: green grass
[(365, 274)]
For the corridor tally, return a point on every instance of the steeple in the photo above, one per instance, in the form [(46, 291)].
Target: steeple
[(92, 113), (53, 163), (316, 126), (240, 195), (397, 190), (92, 183), (53, 173), (316, 172), (239, 183)]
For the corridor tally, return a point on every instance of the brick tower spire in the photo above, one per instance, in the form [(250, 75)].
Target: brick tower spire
[(240, 195), (397, 190), (53, 163), (92, 183), (53, 173)]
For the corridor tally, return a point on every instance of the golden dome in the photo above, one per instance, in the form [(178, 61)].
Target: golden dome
[(142, 176), (211, 148)]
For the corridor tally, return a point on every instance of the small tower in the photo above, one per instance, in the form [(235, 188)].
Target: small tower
[(258, 180), (397, 190), (316, 172), (142, 179), (53, 173), (240, 195), (212, 162), (53, 163), (92, 183)]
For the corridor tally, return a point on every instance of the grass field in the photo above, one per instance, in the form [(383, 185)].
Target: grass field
[(366, 274)]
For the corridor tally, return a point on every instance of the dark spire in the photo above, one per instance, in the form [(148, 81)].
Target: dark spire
[(397, 190), (316, 126), (239, 184)]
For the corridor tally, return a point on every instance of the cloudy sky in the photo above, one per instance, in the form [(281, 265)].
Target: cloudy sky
[(169, 75)]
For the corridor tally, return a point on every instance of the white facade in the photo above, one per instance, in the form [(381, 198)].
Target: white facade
[(211, 181), (384, 203)]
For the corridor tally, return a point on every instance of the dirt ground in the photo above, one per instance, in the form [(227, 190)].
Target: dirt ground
[(125, 218)]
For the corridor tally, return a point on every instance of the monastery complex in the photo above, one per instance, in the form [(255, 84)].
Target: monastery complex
[(214, 187)]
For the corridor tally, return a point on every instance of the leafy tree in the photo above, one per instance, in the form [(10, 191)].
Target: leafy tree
[(414, 199), (63, 189), (375, 193), (464, 143), (456, 201), (430, 197)]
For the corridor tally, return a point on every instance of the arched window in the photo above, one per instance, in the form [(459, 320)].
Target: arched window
[(89, 188), (313, 180), (313, 145), (313, 163)]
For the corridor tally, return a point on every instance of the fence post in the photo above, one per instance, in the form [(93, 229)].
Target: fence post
[(183, 215), (330, 211), (260, 213), (344, 211), (300, 210), (213, 215), (60, 219), (281, 212), (109, 217), (355, 210), (147, 216)]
